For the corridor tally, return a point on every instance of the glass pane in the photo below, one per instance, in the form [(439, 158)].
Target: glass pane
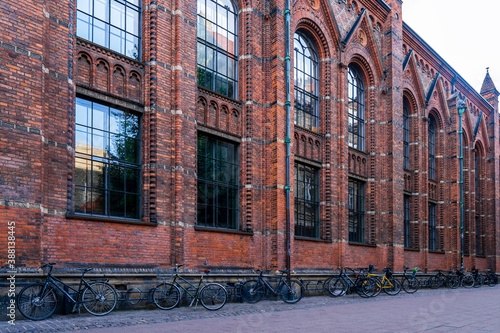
[(98, 202), (132, 47), (83, 113), (202, 194), (82, 200), (117, 40), (231, 44), (211, 11), (100, 33), (200, 54), (231, 23), (200, 30), (133, 179), (132, 150), (82, 172), (101, 10), (99, 144), (210, 32), (99, 117), (132, 208), (133, 21), (117, 204), (85, 6), (82, 140), (210, 53), (201, 7), (222, 217), (222, 17), (116, 121), (116, 178), (83, 25), (117, 14), (98, 174), (222, 38), (131, 125)]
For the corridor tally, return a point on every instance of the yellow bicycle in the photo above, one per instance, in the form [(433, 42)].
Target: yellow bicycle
[(387, 282)]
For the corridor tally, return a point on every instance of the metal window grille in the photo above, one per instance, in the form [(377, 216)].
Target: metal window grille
[(356, 211), (306, 195), (218, 196), (306, 74), (107, 179), (356, 112), (115, 24), (217, 46)]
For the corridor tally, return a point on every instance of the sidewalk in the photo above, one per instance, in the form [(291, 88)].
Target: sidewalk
[(443, 310)]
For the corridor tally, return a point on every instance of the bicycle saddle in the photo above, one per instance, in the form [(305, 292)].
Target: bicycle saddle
[(84, 269)]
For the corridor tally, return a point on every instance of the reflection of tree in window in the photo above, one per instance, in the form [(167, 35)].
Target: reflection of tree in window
[(306, 72), (356, 211), (217, 46), (107, 161), (306, 194)]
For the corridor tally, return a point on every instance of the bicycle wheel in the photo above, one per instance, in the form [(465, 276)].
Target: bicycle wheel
[(479, 281), (166, 296), (99, 298), (434, 282), (213, 296), (492, 280), (336, 287), (291, 293), (410, 284), (367, 287), (252, 291), (452, 282), (467, 281), (35, 306), (392, 286)]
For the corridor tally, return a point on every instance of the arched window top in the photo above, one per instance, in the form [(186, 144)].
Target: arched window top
[(217, 47), (355, 77), (306, 82)]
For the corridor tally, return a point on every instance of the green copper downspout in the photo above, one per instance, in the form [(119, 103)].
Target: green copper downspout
[(287, 140), (461, 109)]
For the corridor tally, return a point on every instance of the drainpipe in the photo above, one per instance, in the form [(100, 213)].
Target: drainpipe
[(461, 106), (287, 139)]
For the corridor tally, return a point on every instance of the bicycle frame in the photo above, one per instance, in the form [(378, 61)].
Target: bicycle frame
[(186, 290), (281, 281)]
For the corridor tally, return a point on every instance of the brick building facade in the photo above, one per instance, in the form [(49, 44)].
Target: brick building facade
[(140, 134)]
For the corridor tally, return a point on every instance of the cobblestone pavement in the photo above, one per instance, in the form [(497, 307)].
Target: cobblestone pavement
[(443, 310)]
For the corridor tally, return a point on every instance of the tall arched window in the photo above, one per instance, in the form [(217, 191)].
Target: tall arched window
[(406, 135), (478, 191), (356, 94), (432, 148), (218, 47), (306, 73)]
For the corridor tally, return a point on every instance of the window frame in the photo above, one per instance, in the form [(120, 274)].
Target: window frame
[(432, 229), (357, 210), (109, 163), (355, 83), (108, 26), (407, 221), (213, 221), (431, 148), (300, 226), (299, 70), (207, 47), (406, 135)]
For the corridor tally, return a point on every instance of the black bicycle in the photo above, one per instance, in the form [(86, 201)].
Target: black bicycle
[(290, 291), (410, 283), (341, 284), (478, 278), (491, 278), (38, 301), (167, 295)]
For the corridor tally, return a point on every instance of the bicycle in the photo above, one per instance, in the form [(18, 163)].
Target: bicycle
[(478, 278), (387, 283), (38, 301), (167, 295), (491, 278), (342, 284), (440, 280), (290, 292), (410, 283)]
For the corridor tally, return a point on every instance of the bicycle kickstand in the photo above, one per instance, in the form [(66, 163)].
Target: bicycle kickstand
[(195, 305)]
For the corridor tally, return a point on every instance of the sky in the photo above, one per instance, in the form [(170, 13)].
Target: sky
[(466, 34)]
